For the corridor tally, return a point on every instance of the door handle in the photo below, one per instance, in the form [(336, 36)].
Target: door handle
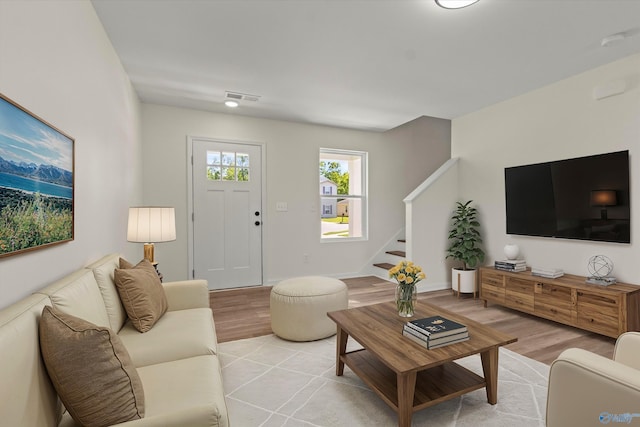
[(257, 223)]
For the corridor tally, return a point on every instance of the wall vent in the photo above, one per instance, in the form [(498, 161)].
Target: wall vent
[(237, 96)]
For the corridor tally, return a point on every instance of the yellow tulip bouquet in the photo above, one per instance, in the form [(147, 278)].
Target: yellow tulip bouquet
[(408, 275)]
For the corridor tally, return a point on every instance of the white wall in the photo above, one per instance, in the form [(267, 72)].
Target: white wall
[(559, 121), (428, 213), (57, 62), (398, 161)]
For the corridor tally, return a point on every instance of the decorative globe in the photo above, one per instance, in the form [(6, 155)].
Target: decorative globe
[(600, 266)]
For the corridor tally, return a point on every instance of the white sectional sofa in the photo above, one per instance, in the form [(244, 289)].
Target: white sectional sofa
[(176, 360)]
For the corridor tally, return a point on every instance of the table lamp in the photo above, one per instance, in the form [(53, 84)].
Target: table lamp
[(149, 225), (603, 198)]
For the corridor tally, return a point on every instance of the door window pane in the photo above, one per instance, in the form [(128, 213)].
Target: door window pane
[(213, 173), (228, 166)]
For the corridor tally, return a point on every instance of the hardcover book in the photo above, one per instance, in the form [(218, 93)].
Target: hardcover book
[(436, 326), (434, 341), (430, 345)]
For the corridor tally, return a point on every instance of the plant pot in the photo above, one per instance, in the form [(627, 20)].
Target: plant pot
[(464, 281)]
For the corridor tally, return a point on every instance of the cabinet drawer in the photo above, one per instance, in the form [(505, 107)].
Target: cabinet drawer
[(519, 300), (492, 279), (554, 312), (598, 313), (492, 293), (521, 286), (602, 301), (553, 295), (599, 322)]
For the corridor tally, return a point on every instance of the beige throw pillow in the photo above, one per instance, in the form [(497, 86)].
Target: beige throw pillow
[(141, 293), (90, 369)]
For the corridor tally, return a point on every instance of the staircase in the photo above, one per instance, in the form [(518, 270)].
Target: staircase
[(390, 257)]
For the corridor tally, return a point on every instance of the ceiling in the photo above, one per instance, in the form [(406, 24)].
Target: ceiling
[(364, 64)]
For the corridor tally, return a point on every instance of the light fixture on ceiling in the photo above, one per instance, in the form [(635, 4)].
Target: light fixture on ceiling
[(455, 4), (231, 104)]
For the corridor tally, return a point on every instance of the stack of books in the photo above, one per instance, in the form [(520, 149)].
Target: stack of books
[(511, 265), (435, 331), (550, 273)]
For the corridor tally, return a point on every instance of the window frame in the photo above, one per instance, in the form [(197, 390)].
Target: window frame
[(362, 222)]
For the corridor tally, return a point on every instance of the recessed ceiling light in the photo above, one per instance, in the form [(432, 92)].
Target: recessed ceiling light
[(455, 4), (231, 104)]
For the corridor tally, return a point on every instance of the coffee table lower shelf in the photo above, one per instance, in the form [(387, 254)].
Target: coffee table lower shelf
[(433, 385)]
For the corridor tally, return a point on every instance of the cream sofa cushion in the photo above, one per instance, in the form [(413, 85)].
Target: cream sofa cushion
[(177, 335), (90, 369), (189, 387), (141, 293), (184, 392), (78, 294), (103, 271), (27, 397)]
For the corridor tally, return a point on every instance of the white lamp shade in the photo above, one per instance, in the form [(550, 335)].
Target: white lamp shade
[(603, 198), (150, 224)]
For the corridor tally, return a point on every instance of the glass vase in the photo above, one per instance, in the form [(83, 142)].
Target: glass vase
[(406, 297)]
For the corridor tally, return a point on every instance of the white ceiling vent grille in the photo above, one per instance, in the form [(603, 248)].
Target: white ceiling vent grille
[(237, 96)]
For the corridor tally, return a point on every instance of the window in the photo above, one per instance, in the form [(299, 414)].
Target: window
[(343, 195), (227, 166)]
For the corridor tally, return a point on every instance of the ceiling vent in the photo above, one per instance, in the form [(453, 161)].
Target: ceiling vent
[(237, 96)]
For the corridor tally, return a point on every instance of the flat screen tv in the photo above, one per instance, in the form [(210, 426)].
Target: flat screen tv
[(585, 198)]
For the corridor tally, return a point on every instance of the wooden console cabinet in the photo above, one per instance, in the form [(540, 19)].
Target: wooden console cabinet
[(607, 310)]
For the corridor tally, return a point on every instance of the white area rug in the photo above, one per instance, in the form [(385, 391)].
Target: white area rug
[(272, 382)]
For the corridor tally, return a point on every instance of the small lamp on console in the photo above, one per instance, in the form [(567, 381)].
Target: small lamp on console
[(603, 198), (149, 225)]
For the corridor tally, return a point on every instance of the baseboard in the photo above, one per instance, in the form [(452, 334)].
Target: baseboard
[(437, 286)]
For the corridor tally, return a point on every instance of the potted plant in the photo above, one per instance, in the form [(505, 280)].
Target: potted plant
[(465, 247)]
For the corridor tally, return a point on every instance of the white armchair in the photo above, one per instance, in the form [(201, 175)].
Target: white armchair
[(586, 389)]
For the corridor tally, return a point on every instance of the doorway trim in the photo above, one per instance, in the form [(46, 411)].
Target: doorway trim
[(190, 213)]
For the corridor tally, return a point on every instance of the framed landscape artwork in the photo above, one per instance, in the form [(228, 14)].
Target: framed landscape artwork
[(36, 182)]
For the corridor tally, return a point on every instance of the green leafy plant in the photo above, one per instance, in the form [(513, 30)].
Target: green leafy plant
[(465, 237)]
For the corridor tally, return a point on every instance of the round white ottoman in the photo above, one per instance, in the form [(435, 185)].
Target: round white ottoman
[(299, 307)]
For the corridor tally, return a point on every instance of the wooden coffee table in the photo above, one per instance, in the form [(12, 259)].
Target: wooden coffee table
[(407, 376)]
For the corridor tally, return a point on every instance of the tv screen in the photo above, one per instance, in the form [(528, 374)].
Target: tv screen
[(585, 198)]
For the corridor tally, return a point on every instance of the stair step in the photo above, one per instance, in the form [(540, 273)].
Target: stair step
[(384, 265), (402, 254)]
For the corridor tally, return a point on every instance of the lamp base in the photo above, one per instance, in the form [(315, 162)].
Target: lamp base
[(148, 252), (602, 281)]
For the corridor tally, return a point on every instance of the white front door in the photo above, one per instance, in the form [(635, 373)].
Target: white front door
[(227, 213)]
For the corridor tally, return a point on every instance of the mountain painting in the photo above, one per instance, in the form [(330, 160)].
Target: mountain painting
[(36, 182)]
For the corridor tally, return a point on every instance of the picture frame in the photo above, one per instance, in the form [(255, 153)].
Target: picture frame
[(37, 182)]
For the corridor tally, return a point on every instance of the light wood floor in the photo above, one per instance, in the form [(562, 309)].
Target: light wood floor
[(244, 313)]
